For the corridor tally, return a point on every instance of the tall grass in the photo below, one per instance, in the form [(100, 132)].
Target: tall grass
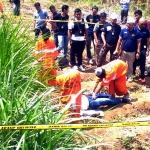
[(22, 96)]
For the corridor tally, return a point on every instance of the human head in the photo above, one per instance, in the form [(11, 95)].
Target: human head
[(37, 6), (94, 10), (52, 9), (138, 14), (100, 72), (113, 19), (142, 23), (130, 23), (65, 9), (46, 34), (77, 13), (103, 16)]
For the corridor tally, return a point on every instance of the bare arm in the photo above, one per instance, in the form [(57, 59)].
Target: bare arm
[(118, 45), (138, 48), (103, 37)]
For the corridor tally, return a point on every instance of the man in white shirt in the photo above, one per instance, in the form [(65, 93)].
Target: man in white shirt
[(77, 34)]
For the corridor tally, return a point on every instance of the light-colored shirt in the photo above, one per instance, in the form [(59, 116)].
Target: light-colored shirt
[(125, 4), (42, 14)]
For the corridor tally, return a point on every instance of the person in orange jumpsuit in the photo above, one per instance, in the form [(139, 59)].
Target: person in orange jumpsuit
[(45, 52), (1, 7), (113, 75), (69, 82)]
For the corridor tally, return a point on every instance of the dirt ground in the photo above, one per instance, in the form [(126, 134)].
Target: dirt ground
[(125, 138)]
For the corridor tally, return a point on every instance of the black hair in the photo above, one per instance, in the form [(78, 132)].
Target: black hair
[(95, 7), (52, 7), (64, 7), (77, 10), (36, 4), (103, 74), (139, 12), (46, 34), (103, 14)]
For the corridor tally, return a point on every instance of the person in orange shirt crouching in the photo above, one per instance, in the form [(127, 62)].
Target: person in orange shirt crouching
[(45, 52), (112, 75)]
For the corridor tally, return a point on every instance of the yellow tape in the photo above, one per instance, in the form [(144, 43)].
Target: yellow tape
[(48, 20), (72, 126)]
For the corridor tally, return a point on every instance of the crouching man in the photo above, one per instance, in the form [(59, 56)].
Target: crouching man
[(113, 75)]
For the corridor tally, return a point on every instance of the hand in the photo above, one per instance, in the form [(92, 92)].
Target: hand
[(104, 46), (97, 43), (94, 96), (147, 53), (115, 52), (70, 42), (137, 55)]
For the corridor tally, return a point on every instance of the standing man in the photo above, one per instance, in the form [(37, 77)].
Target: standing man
[(77, 35), (92, 18), (130, 40), (110, 36), (124, 10), (98, 40), (53, 26), (39, 14), (138, 15), (144, 48), (16, 7), (63, 29)]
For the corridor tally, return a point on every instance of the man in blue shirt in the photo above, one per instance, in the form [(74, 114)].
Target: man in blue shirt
[(62, 29), (130, 40), (110, 36), (144, 49), (39, 24), (93, 18), (124, 10)]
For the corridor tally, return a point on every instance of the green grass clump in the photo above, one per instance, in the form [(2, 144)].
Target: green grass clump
[(21, 95)]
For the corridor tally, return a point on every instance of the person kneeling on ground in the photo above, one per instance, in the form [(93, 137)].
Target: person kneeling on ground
[(113, 75)]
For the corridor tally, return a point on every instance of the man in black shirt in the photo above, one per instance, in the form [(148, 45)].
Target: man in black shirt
[(110, 36), (16, 7), (98, 40), (93, 18), (53, 26), (63, 29)]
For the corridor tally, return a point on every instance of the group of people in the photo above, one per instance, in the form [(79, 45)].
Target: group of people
[(130, 45)]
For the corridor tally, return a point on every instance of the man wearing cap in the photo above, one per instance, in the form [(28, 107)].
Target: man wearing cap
[(130, 41), (110, 36), (113, 75)]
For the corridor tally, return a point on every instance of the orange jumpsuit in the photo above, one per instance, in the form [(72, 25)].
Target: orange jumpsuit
[(1, 6), (115, 77), (70, 83), (45, 53)]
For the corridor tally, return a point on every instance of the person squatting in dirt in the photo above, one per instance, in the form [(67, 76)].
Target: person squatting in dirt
[(112, 75)]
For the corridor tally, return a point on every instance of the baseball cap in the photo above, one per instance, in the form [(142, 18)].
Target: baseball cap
[(113, 16), (131, 20), (98, 72)]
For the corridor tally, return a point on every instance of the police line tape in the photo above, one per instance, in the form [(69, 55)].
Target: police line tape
[(72, 126), (48, 20)]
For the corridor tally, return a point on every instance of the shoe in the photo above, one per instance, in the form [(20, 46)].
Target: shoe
[(91, 61), (81, 68), (126, 98), (143, 80), (75, 67), (130, 79)]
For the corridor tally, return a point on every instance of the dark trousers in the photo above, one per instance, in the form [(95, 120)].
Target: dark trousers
[(56, 39), (37, 30), (103, 54), (77, 48), (140, 62), (16, 9), (124, 15), (88, 47)]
